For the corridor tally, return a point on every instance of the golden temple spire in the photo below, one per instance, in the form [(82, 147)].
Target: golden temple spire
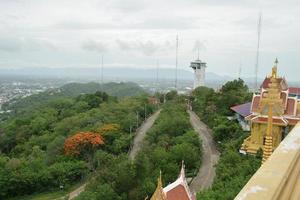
[(274, 69), (159, 193), (272, 102)]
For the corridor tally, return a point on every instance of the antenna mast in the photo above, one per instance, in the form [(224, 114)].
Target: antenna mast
[(102, 71), (257, 50), (240, 71), (157, 66), (176, 62)]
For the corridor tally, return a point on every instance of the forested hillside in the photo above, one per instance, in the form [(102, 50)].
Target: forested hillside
[(168, 142), (73, 90), (60, 141), (233, 169)]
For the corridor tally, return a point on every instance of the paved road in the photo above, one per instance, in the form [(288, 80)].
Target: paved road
[(210, 155), (141, 133), (137, 144)]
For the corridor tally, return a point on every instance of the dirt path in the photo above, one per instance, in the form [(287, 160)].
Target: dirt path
[(137, 142), (210, 155), (141, 133), (76, 192)]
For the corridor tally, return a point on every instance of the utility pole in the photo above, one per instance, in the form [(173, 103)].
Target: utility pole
[(137, 119), (257, 51), (145, 112), (240, 70), (130, 129), (176, 64)]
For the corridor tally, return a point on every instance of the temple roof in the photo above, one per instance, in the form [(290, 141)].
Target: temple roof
[(294, 90), (178, 190), (287, 107), (267, 81), (159, 193), (243, 109)]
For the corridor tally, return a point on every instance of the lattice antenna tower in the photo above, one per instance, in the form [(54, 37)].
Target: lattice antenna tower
[(157, 68), (102, 66), (257, 50), (176, 63)]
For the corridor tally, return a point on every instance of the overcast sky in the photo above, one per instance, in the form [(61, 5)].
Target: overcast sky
[(136, 33)]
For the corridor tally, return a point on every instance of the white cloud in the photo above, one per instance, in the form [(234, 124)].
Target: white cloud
[(137, 32)]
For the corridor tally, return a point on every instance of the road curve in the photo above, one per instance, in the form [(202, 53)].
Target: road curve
[(141, 133), (210, 155), (137, 144)]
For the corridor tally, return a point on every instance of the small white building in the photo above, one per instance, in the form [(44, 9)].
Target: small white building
[(199, 72)]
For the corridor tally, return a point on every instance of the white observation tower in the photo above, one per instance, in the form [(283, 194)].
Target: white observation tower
[(199, 72)]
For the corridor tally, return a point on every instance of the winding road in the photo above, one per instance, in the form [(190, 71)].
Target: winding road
[(137, 144), (210, 155), (141, 133)]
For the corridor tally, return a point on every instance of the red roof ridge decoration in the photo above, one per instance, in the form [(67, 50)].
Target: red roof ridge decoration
[(178, 190), (290, 101)]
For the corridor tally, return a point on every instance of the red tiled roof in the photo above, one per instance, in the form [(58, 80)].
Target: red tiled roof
[(177, 193), (265, 120), (267, 81), (243, 109), (255, 103), (294, 90), (290, 108), (283, 96), (293, 121)]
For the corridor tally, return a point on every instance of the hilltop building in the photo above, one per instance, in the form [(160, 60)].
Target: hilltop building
[(178, 190), (199, 72), (273, 112)]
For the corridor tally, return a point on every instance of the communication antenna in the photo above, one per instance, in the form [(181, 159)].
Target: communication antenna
[(176, 62), (157, 67), (102, 66), (257, 50), (240, 70)]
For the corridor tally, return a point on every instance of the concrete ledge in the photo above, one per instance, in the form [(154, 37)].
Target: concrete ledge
[(278, 178)]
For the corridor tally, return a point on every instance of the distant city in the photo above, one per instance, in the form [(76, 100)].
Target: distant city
[(15, 84)]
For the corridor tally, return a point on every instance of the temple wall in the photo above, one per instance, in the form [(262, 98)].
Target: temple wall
[(278, 178)]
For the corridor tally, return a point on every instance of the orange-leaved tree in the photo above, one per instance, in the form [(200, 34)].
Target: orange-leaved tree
[(109, 128), (109, 132), (83, 144)]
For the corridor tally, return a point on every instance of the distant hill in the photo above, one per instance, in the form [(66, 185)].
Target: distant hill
[(119, 74), (123, 89)]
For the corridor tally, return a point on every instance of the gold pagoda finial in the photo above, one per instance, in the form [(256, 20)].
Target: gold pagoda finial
[(159, 181), (274, 69), (159, 193)]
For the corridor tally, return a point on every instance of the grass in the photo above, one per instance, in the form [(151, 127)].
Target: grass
[(54, 195)]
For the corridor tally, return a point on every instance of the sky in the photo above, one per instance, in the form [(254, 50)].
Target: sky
[(138, 33)]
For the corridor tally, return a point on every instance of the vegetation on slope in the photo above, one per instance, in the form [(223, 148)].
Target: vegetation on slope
[(168, 142), (233, 170), (32, 156)]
